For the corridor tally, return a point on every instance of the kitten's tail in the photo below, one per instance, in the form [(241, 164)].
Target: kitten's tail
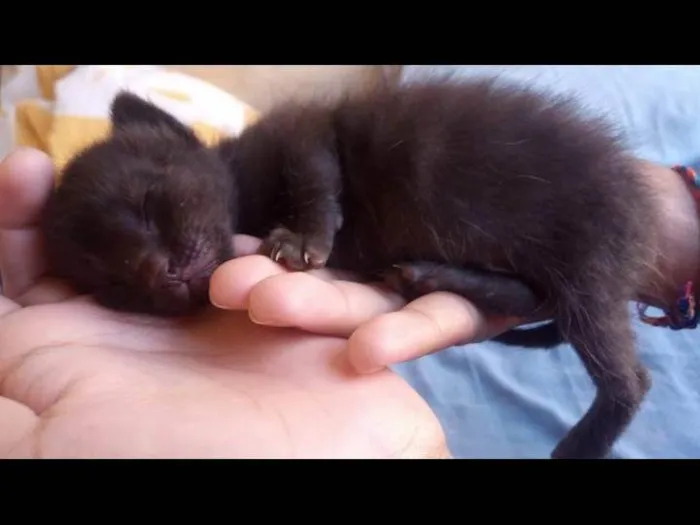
[(545, 336)]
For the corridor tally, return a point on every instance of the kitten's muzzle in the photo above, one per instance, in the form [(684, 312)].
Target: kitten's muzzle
[(176, 288), (162, 272)]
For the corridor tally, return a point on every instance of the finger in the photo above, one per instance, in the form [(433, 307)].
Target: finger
[(46, 291), (233, 281), (307, 302), (26, 179), (21, 261), (424, 326), (245, 245), (313, 301)]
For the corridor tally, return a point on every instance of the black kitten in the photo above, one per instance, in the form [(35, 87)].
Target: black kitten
[(142, 218), (510, 198), (496, 193)]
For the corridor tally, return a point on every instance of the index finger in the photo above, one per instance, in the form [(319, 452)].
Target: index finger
[(313, 301)]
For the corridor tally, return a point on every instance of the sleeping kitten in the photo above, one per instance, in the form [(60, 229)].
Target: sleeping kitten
[(142, 218), (494, 192), (498, 193)]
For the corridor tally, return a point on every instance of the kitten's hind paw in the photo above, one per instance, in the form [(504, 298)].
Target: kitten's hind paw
[(294, 251), (491, 292), (412, 280)]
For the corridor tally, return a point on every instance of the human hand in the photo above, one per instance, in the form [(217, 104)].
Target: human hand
[(383, 330), (78, 380)]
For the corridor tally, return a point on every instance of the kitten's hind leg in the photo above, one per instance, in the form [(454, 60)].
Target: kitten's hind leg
[(545, 336), (491, 292), (600, 331), (598, 328)]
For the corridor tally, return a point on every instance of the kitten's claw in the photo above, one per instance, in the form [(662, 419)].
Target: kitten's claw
[(295, 251)]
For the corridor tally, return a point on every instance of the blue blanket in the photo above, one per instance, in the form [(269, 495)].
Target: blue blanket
[(504, 402)]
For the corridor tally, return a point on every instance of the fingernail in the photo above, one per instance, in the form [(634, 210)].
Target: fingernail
[(215, 304), (254, 319), (266, 322)]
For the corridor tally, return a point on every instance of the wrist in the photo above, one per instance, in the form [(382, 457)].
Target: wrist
[(677, 226)]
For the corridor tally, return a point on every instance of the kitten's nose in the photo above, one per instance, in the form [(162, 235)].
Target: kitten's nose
[(159, 270), (177, 273), (171, 271)]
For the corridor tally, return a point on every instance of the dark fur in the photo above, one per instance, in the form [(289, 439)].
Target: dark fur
[(142, 218), (511, 199), (546, 336)]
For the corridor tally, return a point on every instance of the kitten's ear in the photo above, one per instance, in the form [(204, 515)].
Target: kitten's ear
[(128, 109)]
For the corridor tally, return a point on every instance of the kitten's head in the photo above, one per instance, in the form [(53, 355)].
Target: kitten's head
[(141, 219)]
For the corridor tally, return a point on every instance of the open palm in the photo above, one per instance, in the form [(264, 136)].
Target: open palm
[(78, 380), (105, 385)]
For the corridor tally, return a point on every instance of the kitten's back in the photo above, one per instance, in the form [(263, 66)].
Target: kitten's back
[(511, 178)]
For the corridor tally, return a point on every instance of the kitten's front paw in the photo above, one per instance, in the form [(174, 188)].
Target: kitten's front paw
[(295, 251)]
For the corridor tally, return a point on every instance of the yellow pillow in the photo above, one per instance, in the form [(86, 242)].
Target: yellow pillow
[(63, 109)]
